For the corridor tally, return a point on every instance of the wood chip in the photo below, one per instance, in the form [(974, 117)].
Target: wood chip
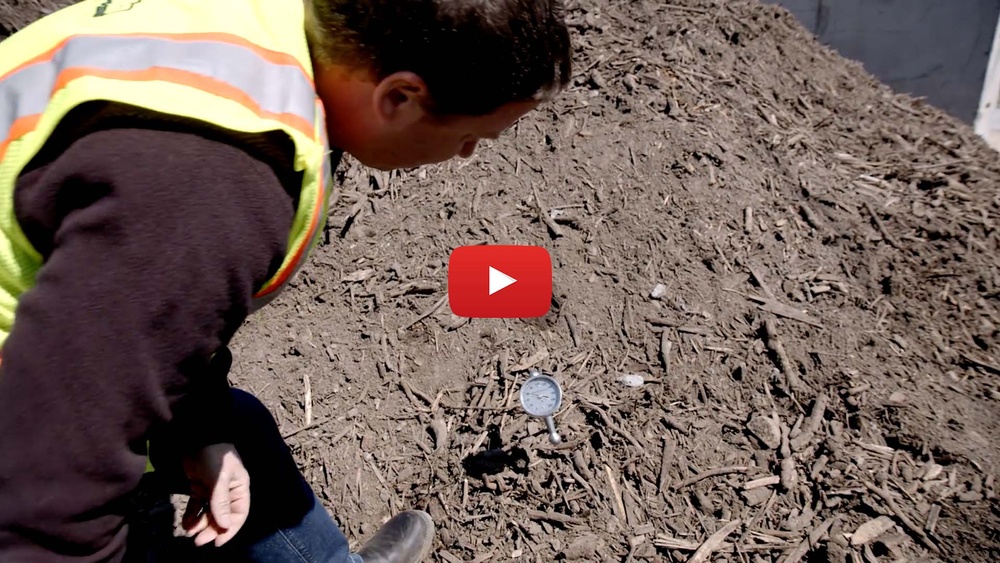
[(792, 379), (871, 530), (932, 518), (757, 274), (902, 517), (710, 473), (812, 218), (538, 357), (796, 554), (619, 507), (665, 346), (358, 276), (439, 429), (769, 481), (666, 460), (811, 425), (433, 309), (714, 542), (787, 311), (307, 398), (556, 517), (881, 226), (694, 330), (544, 217), (789, 475)]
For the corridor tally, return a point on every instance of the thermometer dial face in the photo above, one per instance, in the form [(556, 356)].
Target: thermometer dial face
[(541, 396)]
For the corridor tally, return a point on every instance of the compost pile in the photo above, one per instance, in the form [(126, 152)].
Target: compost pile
[(775, 316)]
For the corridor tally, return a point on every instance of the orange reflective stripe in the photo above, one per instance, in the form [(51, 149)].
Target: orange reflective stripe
[(289, 267), (21, 127), (273, 85), (293, 265)]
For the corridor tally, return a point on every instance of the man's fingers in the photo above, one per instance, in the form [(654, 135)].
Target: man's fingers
[(224, 537), (206, 536), (219, 472), (195, 519), (191, 513), (198, 525), (219, 503), (239, 502)]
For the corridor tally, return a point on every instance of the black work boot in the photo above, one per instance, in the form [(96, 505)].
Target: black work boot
[(405, 538)]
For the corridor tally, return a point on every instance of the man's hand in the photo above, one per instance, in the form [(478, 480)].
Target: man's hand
[(220, 494)]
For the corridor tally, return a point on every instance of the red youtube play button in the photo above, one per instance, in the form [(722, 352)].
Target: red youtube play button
[(500, 281)]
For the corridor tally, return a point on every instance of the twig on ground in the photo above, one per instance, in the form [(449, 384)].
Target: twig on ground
[(792, 379), (760, 515), (617, 429), (474, 408), (993, 368), (812, 424), (316, 424), (307, 398), (701, 331), (665, 460), (475, 200), (440, 430), (710, 473), (433, 309), (714, 542), (881, 226), (353, 214), (619, 506), (665, 346), (772, 305), (543, 215), (901, 516), (673, 422), (812, 218), (574, 334), (554, 517), (408, 391), (796, 554), (683, 8), (769, 481), (932, 518), (757, 275)]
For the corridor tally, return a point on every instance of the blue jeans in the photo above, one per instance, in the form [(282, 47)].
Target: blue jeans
[(315, 539), (287, 522)]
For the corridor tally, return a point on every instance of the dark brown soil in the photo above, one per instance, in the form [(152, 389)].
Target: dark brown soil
[(866, 282)]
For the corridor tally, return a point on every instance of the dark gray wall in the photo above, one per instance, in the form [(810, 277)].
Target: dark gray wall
[(937, 49)]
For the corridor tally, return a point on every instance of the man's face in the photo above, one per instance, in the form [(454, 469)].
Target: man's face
[(434, 139), (385, 124)]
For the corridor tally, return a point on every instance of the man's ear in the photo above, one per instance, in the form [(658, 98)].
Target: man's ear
[(401, 98)]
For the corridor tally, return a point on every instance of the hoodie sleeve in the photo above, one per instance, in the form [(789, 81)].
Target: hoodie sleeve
[(153, 243)]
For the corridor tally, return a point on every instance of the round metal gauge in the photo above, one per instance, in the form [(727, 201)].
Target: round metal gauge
[(541, 396)]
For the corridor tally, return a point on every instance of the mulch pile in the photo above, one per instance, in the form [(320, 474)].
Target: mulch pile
[(775, 318)]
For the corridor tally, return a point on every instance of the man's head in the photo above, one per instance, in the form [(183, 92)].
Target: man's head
[(411, 82)]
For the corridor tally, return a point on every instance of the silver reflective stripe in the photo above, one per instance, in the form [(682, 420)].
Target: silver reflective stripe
[(276, 88)]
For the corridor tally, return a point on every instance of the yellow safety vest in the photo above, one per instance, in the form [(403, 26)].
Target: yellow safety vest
[(238, 66)]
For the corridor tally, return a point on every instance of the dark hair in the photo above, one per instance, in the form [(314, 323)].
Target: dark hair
[(474, 55)]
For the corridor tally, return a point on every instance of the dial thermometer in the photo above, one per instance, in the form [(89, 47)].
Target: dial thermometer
[(541, 397)]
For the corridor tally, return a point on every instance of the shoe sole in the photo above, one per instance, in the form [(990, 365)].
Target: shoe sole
[(428, 537)]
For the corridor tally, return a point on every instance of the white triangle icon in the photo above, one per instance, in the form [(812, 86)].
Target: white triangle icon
[(499, 280)]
